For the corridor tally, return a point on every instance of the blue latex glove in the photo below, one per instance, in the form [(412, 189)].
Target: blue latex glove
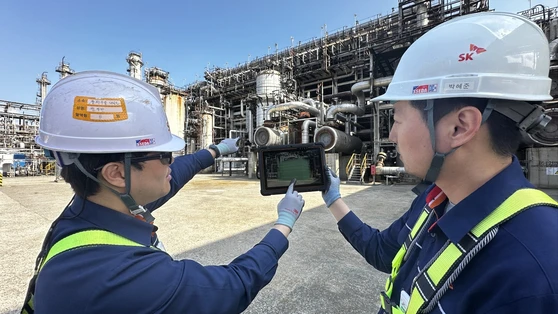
[(332, 193), (290, 207), (228, 146)]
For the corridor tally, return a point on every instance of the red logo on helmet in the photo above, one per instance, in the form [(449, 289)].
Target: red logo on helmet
[(474, 49), (145, 142)]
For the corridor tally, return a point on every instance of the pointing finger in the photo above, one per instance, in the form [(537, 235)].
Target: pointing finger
[(291, 186)]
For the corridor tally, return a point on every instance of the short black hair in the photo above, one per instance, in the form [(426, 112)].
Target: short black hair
[(505, 136), (82, 185)]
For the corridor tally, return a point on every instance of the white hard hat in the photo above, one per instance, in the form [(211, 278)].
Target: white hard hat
[(485, 55), (105, 112)]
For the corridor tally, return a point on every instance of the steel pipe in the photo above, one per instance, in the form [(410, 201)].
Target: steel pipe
[(306, 130), (335, 140), (291, 105), (345, 108), (389, 170)]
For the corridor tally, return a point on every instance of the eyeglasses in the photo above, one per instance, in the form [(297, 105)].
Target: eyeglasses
[(165, 158)]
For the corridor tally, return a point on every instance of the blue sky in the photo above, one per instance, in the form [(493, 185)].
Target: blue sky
[(181, 37)]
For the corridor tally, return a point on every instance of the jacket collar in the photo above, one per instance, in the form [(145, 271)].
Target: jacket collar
[(108, 219), (464, 216)]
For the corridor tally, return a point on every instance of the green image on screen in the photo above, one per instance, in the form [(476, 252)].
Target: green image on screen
[(294, 168), (282, 167)]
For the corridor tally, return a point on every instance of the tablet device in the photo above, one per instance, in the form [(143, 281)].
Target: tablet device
[(279, 164)]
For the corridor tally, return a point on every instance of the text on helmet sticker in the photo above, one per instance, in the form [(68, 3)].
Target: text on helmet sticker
[(459, 86), (99, 109), (423, 89), (468, 56)]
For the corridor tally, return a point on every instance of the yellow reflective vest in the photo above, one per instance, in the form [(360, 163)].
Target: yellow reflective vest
[(434, 280)]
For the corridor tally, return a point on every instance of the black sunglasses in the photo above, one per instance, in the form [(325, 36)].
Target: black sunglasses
[(165, 158)]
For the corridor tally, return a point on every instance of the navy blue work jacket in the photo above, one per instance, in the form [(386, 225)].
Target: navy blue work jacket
[(517, 272), (117, 279)]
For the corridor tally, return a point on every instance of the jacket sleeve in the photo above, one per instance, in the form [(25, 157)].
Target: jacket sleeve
[(158, 284), (377, 247), (184, 168)]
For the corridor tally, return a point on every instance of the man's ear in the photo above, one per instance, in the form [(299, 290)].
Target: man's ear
[(465, 124), (113, 174)]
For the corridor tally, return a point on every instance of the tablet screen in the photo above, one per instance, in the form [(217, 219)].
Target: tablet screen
[(280, 164)]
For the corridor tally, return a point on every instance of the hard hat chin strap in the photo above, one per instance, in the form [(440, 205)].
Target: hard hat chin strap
[(126, 198), (439, 158)]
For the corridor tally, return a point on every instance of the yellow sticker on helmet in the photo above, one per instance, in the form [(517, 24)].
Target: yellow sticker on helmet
[(99, 109)]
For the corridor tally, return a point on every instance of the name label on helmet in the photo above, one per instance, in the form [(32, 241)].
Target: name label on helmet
[(459, 86), (99, 109)]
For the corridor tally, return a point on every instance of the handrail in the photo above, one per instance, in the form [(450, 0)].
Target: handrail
[(350, 164), (363, 166)]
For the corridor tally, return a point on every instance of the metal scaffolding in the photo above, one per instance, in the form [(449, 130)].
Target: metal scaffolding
[(293, 94), (19, 125), (321, 72)]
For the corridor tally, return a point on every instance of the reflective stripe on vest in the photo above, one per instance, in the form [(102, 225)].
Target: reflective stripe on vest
[(87, 238), (450, 259), (82, 239)]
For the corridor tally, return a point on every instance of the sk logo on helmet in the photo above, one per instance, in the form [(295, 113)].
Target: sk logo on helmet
[(469, 55)]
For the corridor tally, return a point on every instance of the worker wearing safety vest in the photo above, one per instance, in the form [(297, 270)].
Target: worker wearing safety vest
[(102, 255), (478, 238)]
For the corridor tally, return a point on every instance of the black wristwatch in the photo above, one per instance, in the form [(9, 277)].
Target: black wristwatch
[(215, 149)]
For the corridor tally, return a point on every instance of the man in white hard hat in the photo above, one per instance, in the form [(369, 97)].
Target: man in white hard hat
[(478, 238), (102, 255)]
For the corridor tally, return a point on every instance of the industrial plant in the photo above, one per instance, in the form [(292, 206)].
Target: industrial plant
[(313, 91)]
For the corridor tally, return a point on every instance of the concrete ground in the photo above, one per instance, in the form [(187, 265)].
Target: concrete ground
[(213, 220)]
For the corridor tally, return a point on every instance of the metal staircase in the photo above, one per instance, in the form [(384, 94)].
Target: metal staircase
[(356, 168)]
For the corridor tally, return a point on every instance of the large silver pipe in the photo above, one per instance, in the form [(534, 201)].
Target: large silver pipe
[(322, 107), (306, 130), (249, 126), (310, 101), (265, 136), (347, 108), (365, 134), (358, 88), (315, 103), (337, 141), (291, 105), (382, 81), (341, 94), (389, 170), (385, 107)]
